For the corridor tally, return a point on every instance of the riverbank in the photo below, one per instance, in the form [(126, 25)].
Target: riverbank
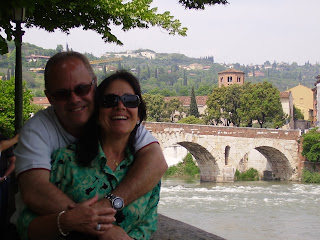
[(170, 229)]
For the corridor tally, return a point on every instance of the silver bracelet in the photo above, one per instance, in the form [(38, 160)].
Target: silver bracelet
[(58, 223)]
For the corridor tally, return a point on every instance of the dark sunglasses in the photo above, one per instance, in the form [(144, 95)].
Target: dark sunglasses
[(112, 100), (80, 90)]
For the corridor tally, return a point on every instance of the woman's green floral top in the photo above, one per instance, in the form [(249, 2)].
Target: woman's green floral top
[(138, 219)]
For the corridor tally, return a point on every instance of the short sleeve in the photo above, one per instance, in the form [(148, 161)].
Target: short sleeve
[(143, 138)]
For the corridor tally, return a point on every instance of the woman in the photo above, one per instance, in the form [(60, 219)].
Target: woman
[(98, 163)]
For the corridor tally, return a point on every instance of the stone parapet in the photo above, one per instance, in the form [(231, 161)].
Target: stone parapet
[(170, 229)]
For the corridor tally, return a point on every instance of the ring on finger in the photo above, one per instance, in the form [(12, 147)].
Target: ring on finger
[(98, 227)]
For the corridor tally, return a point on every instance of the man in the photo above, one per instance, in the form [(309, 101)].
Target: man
[(70, 85), (7, 164)]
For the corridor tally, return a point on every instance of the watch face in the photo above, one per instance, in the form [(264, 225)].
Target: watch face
[(118, 203)]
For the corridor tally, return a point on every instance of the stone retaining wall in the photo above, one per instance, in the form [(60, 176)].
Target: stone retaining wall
[(170, 229)]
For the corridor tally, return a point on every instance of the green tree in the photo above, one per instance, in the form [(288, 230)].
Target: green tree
[(7, 105), (204, 90), (297, 114), (223, 105), (92, 15), (311, 145), (171, 108), (191, 120), (193, 105), (185, 80), (155, 107), (59, 48), (8, 74), (216, 105), (261, 102)]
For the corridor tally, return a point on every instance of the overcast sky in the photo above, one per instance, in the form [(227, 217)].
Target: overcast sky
[(244, 31)]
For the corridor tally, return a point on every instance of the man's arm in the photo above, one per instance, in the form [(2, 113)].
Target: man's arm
[(7, 143), (143, 176), (40, 195)]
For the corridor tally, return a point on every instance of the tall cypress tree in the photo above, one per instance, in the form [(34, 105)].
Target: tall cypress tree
[(12, 70), (8, 74), (193, 105), (185, 80)]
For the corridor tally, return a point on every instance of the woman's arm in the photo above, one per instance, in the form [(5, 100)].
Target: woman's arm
[(82, 218), (148, 222), (5, 144)]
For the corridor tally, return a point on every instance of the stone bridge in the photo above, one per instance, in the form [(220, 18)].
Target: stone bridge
[(219, 151)]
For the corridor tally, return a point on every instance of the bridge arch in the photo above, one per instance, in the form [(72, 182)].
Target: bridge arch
[(209, 169), (279, 158)]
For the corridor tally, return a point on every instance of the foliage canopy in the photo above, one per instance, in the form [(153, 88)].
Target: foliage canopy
[(241, 105), (311, 145), (96, 15), (7, 106)]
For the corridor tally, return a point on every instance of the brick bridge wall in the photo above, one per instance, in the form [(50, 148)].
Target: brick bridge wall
[(210, 144), (226, 131)]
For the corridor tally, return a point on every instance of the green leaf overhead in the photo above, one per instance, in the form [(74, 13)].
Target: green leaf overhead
[(96, 15)]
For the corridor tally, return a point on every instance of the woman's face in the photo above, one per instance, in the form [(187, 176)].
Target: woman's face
[(119, 120)]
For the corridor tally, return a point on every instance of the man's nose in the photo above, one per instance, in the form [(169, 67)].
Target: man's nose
[(74, 97)]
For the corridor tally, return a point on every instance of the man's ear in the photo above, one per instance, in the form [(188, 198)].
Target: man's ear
[(48, 96)]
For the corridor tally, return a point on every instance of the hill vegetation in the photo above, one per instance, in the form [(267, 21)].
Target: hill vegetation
[(166, 74)]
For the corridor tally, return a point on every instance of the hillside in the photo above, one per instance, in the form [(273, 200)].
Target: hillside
[(167, 74)]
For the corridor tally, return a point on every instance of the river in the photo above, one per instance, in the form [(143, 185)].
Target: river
[(245, 210)]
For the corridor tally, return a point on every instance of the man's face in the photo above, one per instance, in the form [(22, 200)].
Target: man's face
[(73, 111)]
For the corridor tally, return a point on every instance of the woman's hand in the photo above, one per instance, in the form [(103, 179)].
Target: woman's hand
[(84, 218), (115, 233)]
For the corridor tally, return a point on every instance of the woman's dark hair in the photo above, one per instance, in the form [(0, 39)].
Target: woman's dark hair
[(88, 144)]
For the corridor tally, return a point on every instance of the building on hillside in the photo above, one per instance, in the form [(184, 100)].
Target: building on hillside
[(186, 101), (303, 100), (41, 101), (143, 54), (316, 100), (231, 76), (35, 58), (286, 100)]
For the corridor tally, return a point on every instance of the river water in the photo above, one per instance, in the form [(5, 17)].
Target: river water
[(245, 210)]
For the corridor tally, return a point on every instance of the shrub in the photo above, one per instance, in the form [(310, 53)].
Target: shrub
[(311, 145), (310, 176), (249, 175), (187, 168)]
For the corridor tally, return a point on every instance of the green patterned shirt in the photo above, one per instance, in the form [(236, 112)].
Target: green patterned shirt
[(138, 219)]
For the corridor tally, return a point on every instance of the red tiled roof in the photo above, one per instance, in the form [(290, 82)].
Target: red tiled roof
[(40, 100), (231, 70), (284, 94)]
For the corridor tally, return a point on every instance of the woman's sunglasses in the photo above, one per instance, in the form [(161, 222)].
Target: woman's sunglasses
[(80, 90), (112, 100)]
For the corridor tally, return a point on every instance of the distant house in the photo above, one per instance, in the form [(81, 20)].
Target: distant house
[(231, 76), (286, 100), (303, 100), (186, 101), (41, 101)]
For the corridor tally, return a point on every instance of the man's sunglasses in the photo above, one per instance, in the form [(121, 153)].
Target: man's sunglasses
[(112, 100), (80, 90)]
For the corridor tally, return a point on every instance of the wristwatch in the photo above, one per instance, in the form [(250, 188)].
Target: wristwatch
[(116, 202)]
